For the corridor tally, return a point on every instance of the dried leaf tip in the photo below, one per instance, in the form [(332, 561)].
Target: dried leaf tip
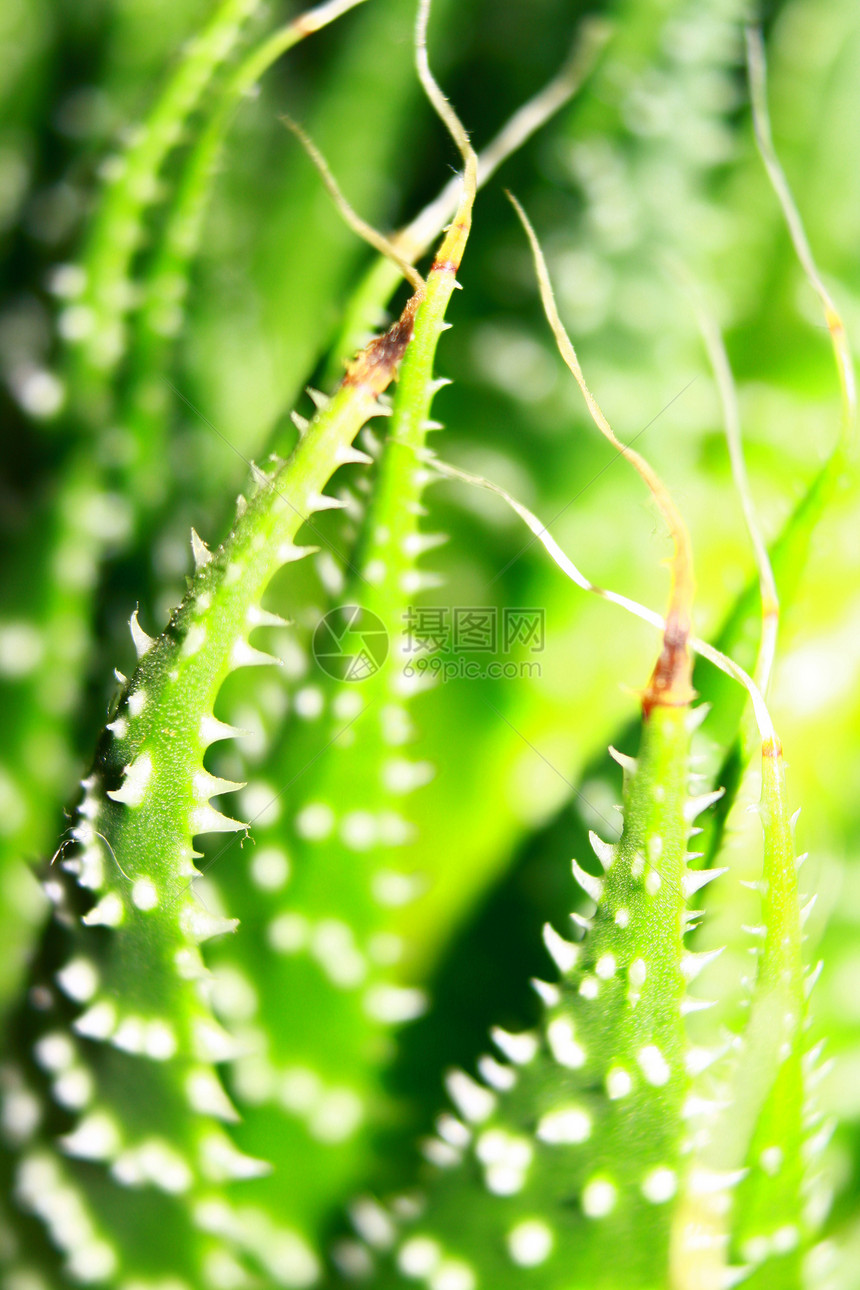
[(351, 217), (450, 253), (670, 683), (375, 366), (757, 71)]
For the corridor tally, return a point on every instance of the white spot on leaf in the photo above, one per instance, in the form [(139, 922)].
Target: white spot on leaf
[(530, 1243), (598, 1198), (568, 1124)]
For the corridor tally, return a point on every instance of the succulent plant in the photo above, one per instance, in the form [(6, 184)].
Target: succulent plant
[(200, 1061)]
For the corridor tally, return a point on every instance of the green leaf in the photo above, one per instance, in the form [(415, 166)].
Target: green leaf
[(130, 1017), (567, 1156), (319, 948)]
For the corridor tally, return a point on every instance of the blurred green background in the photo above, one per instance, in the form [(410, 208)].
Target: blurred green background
[(652, 164)]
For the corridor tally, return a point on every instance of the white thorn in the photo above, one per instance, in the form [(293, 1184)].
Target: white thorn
[(695, 879), (626, 763), (142, 641), (696, 716), (592, 886), (96, 1137), (301, 423), (322, 502), (223, 1163), (395, 1004), (708, 1182), (563, 953), (453, 1131), (820, 1073), (807, 909), (519, 1049), (79, 979), (816, 1144), (206, 786), (213, 1044), (257, 617), (136, 777), (212, 730), (199, 925), (205, 819), (689, 1005), (810, 1057), (200, 551), (548, 993), (416, 544), (812, 977), (495, 1074), (693, 963), (695, 805), (288, 554), (733, 1276), (604, 851), (371, 442), (98, 1022), (418, 580), (347, 455), (372, 1223), (206, 1096), (584, 923), (705, 1107), (109, 912), (474, 1102), (319, 400), (699, 1059), (244, 655)]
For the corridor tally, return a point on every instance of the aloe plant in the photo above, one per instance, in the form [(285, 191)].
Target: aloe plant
[(149, 779), (307, 1093), (206, 640), (549, 1181), (610, 1058), (521, 1195), (102, 324)]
